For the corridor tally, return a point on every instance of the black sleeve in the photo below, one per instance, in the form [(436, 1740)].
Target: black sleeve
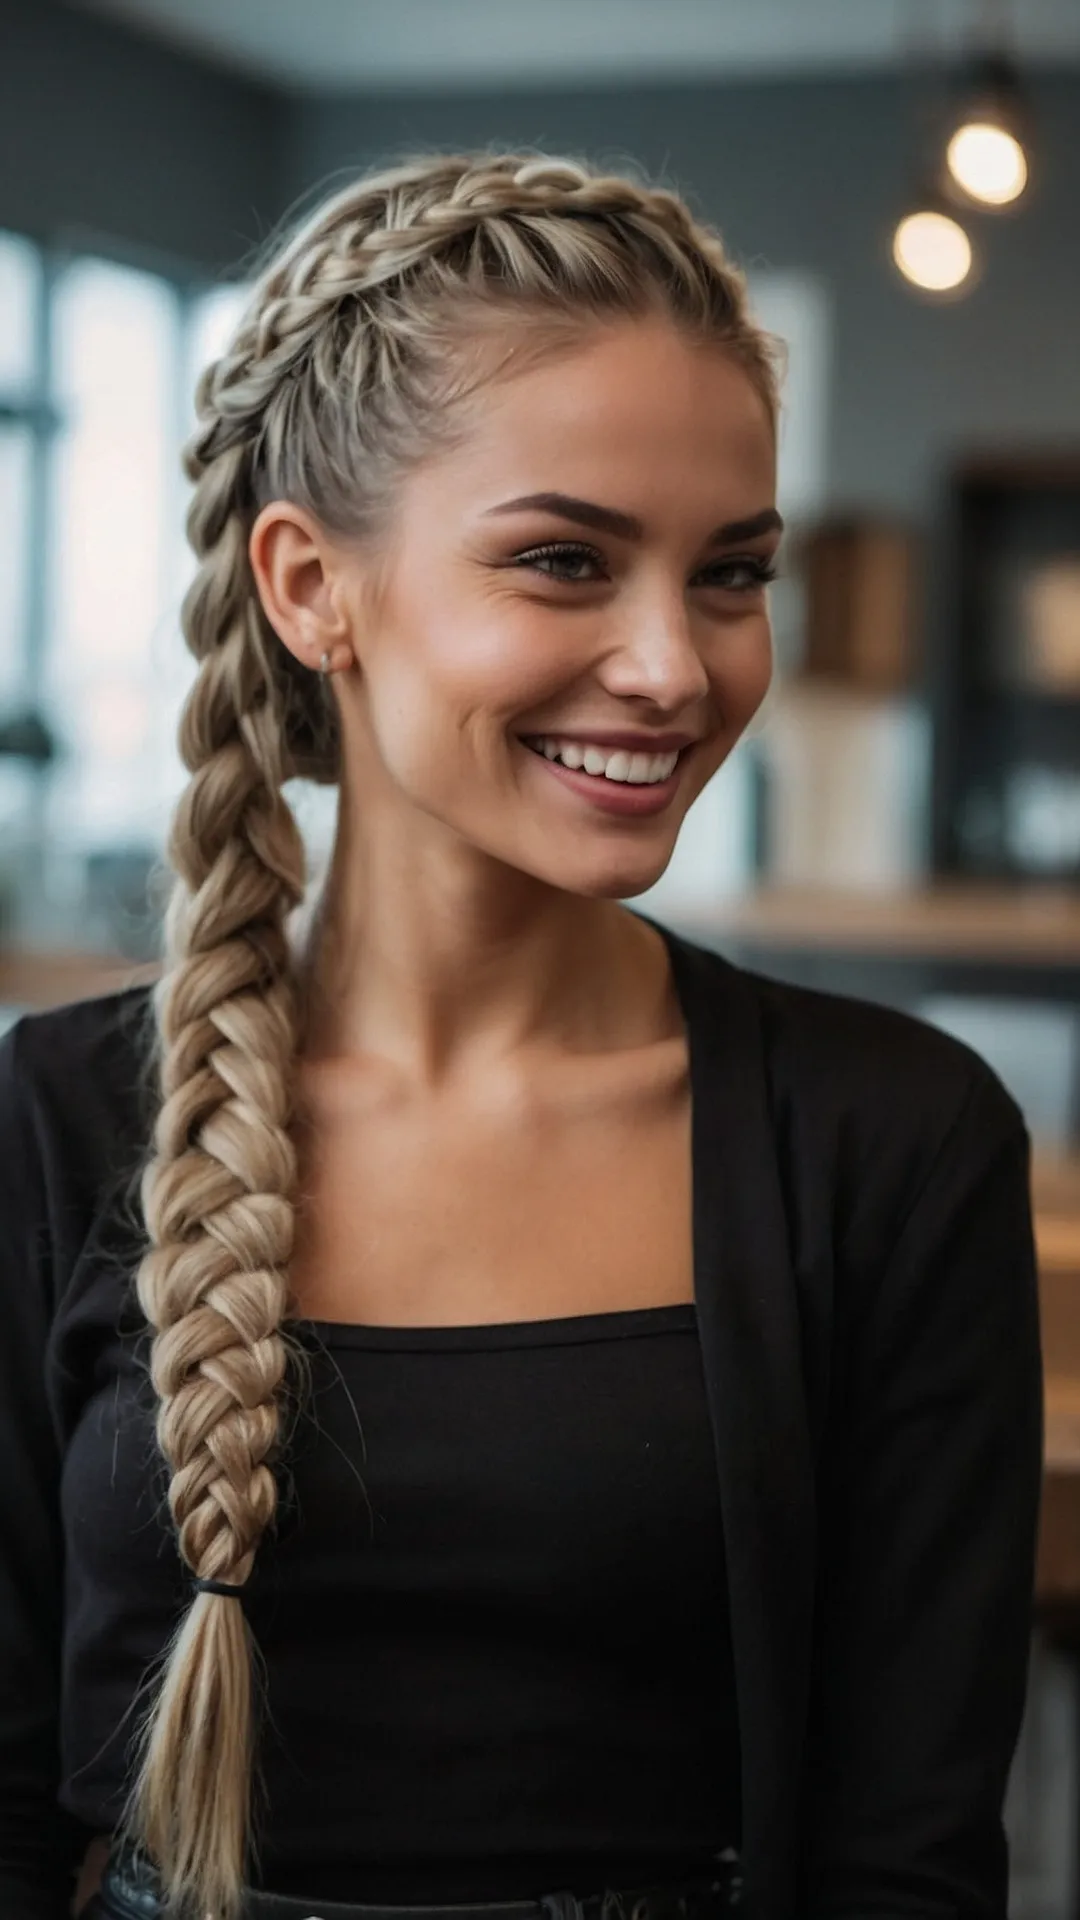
[(38, 1840), (928, 1530)]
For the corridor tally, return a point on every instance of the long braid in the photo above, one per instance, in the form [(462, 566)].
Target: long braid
[(348, 362), (218, 1199)]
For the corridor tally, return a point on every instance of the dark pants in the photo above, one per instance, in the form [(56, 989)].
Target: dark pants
[(130, 1891)]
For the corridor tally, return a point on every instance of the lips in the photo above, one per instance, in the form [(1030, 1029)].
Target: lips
[(613, 797)]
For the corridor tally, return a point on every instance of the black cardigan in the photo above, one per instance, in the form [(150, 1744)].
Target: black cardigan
[(865, 1283)]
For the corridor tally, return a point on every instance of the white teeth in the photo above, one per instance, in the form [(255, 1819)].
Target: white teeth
[(634, 769), (618, 767)]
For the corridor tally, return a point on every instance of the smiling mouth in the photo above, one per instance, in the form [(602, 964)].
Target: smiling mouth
[(602, 777)]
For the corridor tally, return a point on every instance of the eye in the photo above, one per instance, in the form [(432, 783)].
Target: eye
[(559, 550), (760, 573), (757, 572)]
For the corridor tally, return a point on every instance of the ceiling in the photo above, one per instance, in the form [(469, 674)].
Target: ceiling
[(317, 45)]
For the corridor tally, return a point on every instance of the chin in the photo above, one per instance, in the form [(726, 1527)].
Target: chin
[(622, 884)]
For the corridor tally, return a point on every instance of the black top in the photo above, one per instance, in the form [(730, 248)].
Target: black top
[(491, 1614), (513, 1564)]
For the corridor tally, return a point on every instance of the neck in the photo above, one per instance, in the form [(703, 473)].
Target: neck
[(443, 989)]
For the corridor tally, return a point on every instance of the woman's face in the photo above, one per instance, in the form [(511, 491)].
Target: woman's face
[(641, 610)]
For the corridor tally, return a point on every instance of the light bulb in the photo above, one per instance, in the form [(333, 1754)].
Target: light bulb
[(988, 162), (932, 251)]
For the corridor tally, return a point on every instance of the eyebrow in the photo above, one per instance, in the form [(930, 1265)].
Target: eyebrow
[(627, 526)]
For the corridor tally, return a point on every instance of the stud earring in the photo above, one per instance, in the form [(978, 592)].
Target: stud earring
[(324, 664)]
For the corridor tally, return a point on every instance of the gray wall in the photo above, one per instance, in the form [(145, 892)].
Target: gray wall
[(812, 175), (104, 135)]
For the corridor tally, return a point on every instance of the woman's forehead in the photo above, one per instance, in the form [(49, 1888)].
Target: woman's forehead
[(615, 412)]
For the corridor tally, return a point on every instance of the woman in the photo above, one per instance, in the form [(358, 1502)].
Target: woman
[(596, 1387)]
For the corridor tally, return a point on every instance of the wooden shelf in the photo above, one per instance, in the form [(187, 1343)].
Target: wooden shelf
[(1029, 924), (1055, 1192), (971, 920), (31, 979)]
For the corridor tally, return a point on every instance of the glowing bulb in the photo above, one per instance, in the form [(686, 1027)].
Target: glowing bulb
[(932, 251), (988, 162)]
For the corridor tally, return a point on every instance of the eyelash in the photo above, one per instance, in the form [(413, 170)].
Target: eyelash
[(762, 572)]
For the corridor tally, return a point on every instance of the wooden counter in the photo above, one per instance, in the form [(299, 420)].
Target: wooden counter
[(1016, 924), (1031, 925), (29, 979)]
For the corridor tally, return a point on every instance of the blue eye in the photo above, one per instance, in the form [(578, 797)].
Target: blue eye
[(760, 572)]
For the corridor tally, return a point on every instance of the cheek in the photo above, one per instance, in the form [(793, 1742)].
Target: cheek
[(487, 668), (451, 692), (742, 667), (764, 660)]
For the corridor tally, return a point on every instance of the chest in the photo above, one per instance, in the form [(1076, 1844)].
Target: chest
[(497, 1209)]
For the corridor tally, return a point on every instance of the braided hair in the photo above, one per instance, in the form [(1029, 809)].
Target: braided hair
[(353, 358)]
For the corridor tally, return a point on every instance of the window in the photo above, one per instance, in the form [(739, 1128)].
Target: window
[(23, 429), (98, 363), (113, 502), (19, 297)]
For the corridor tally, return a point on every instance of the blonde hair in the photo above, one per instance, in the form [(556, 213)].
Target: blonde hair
[(360, 343)]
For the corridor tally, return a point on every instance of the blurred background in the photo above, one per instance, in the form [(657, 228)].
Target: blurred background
[(900, 179)]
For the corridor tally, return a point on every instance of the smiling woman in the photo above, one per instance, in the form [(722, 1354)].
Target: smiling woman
[(506, 633), (565, 1369)]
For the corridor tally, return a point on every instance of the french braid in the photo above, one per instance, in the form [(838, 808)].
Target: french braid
[(354, 357)]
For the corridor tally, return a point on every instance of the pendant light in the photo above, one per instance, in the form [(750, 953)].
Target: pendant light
[(933, 250), (986, 155)]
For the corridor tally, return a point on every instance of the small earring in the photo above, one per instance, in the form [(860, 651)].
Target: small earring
[(324, 664)]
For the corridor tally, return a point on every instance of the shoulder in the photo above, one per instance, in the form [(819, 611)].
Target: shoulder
[(72, 1128), (866, 1057), (74, 1077), (865, 1099), (840, 1049)]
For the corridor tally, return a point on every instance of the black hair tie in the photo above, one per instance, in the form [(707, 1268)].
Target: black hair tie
[(218, 1586)]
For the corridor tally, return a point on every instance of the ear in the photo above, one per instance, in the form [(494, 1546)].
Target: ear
[(296, 569)]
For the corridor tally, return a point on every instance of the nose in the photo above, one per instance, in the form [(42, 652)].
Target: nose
[(656, 658)]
